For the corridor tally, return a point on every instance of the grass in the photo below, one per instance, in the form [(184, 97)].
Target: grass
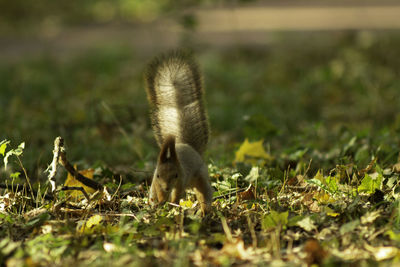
[(328, 112)]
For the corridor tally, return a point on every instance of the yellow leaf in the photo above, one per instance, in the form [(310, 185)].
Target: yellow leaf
[(323, 198), (186, 203), (91, 225), (72, 182), (332, 214), (253, 153), (93, 221), (320, 176)]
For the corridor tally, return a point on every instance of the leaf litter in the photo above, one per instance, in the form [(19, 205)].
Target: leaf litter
[(260, 216)]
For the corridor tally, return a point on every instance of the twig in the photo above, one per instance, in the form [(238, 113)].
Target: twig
[(227, 231), (308, 168), (84, 180), (120, 182), (362, 172), (173, 204), (120, 215), (26, 177), (230, 193), (59, 156), (52, 169), (285, 178)]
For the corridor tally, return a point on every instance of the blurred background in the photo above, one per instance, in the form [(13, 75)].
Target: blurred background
[(304, 76)]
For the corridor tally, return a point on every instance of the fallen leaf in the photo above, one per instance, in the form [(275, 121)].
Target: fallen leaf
[(253, 175), (314, 207), (307, 224), (393, 235), (236, 249), (94, 220), (72, 182), (370, 183), (186, 203), (351, 253), (315, 253), (382, 253), (275, 219), (396, 167), (323, 198), (249, 194), (253, 153), (332, 214), (297, 180), (370, 217)]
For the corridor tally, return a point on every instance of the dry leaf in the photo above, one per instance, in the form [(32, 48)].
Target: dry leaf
[(253, 153), (236, 249), (382, 253), (307, 224), (72, 182), (249, 194), (315, 253), (370, 217), (314, 207)]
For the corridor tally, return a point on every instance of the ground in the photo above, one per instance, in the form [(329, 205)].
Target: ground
[(303, 157)]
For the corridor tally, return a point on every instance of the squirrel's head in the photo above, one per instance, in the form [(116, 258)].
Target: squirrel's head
[(168, 168)]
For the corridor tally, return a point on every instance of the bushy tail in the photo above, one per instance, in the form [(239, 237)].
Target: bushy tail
[(175, 93)]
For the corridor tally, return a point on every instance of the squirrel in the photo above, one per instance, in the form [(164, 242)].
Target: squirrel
[(180, 124)]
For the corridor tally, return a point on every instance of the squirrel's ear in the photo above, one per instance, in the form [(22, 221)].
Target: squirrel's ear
[(168, 152)]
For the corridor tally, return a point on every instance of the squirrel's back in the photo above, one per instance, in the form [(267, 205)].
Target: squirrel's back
[(175, 93)]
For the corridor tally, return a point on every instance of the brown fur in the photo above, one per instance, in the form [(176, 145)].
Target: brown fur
[(168, 147), (180, 73), (180, 124)]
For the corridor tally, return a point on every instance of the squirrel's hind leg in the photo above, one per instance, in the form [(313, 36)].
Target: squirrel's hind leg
[(153, 194), (203, 189)]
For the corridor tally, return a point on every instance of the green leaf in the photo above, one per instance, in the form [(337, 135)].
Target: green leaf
[(15, 175), (370, 183), (327, 183), (17, 152), (332, 183), (295, 219), (393, 235), (3, 146), (275, 219), (7, 246), (319, 184)]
